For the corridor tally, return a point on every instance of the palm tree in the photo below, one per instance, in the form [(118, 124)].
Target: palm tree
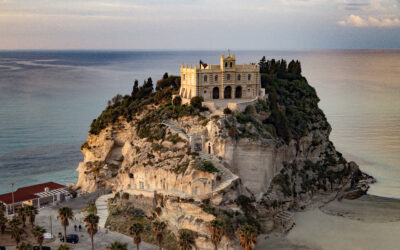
[(25, 246), (136, 230), (21, 212), (65, 214), (2, 208), (186, 240), (63, 247), (14, 223), (216, 228), (248, 236), (159, 227), (117, 246), (3, 223), (16, 234), (38, 232), (92, 222), (31, 212)]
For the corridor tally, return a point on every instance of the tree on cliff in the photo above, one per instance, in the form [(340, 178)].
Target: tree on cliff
[(168, 82), (186, 239), (158, 228), (216, 228), (65, 214), (248, 236), (91, 222), (135, 88), (38, 232), (136, 231)]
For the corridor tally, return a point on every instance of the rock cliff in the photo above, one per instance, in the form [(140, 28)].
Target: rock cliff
[(239, 167)]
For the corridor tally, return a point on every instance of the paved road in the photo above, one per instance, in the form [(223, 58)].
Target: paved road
[(101, 239)]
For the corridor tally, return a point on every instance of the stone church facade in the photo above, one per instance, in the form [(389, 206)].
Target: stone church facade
[(218, 82)]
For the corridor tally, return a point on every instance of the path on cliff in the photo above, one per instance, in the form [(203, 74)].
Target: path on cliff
[(102, 209), (172, 126), (227, 176)]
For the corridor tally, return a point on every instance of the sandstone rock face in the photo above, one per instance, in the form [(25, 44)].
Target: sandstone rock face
[(212, 158)]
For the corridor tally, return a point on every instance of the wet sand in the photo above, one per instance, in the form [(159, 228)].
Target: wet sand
[(369, 222)]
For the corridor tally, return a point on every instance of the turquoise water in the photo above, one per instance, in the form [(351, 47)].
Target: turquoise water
[(48, 99)]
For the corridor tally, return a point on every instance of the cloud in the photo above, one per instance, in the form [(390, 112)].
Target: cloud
[(354, 5), (357, 21)]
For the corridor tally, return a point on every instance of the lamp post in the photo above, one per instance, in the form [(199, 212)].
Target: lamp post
[(12, 195)]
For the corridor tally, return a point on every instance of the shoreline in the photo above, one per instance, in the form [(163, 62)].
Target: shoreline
[(346, 224)]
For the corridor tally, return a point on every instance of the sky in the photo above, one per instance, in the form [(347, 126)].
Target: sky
[(202, 25)]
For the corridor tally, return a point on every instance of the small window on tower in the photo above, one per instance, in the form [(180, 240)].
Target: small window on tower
[(216, 78), (205, 78), (230, 65), (226, 65), (249, 77), (184, 76), (239, 77), (228, 77)]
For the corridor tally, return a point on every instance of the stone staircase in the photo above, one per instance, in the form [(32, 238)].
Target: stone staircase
[(102, 208), (172, 126), (227, 176)]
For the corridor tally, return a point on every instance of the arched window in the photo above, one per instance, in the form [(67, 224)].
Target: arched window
[(230, 64), (226, 65), (228, 77), (249, 77), (205, 78), (228, 92), (238, 77), (216, 78), (184, 76)]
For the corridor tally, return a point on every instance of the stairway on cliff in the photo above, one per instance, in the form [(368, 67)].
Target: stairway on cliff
[(172, 126), (102, 208)]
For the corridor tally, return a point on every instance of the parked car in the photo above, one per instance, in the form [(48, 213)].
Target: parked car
[(43, 248), (71, 238), (2, 248)]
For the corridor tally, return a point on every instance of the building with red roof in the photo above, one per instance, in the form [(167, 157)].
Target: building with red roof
[(36, 195)]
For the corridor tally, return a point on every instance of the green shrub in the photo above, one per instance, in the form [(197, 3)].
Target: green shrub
[(174, 138), (227, 111), (177, 101), (208, 166), (196, 102), (125, 196)]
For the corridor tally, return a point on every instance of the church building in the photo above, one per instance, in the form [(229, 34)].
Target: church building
[(227, 80)]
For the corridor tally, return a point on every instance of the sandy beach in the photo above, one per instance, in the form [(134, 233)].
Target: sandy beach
[(369, 222)]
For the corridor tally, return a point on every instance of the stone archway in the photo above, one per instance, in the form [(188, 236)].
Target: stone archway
[(216, 93), (228, 92), (238, 92)]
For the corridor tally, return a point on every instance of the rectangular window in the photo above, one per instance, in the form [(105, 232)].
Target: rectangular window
[(141, 184)]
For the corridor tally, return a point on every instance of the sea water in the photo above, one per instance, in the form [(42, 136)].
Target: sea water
[(49, 98)]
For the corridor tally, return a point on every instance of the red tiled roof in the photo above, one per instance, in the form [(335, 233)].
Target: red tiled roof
[(28, 193)]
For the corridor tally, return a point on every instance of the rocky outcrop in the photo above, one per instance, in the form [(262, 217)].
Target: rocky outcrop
[(273, 156)]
